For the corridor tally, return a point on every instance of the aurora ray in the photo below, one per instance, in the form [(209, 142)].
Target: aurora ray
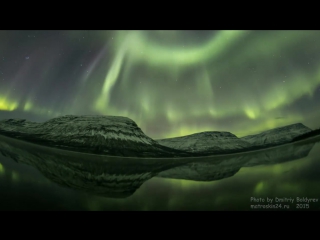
[(171, 83)]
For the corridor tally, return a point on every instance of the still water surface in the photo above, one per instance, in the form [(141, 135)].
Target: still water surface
[(40, 178)]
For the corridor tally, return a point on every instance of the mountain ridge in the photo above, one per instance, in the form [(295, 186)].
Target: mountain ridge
[(276, 136), (121, 136), (111, 135), (209, 142)]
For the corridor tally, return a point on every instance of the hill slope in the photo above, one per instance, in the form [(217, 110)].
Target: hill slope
[(117, 136), (206, 142), (277, 136)]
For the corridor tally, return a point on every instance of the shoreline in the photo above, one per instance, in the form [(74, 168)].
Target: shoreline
[(154, 158)]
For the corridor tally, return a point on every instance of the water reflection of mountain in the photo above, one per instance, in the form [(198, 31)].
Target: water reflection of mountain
[(97, 174), (227, 166), (118, 177)]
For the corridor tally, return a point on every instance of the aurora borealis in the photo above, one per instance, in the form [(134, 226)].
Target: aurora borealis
[(171, 83)]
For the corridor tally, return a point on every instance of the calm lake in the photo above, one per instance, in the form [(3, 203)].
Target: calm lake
[(39, 178)]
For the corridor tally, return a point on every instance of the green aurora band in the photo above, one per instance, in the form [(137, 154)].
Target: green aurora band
[(174, 83)]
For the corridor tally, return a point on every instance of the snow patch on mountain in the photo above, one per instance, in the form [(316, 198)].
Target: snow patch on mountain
[(109, 127), (205, 141), (119, 136), (278, 135)]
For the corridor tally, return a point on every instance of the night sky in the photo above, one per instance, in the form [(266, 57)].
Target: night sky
[(171, 83)]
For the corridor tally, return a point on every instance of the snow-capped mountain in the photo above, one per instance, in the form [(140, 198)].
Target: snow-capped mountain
[(111, 135), (206, 142), (120, 136), (277, 136)]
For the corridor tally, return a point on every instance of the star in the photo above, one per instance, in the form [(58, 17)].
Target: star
[(132, 77)]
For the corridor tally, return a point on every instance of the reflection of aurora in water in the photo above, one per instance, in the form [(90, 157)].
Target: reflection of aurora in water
[(121, 177), (57, 180), (171, 83)]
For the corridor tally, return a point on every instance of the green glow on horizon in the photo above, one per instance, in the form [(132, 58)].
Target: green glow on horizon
[(252, 77), (7, 105)]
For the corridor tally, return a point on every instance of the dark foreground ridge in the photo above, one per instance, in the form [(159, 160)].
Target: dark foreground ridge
[(120, 136)]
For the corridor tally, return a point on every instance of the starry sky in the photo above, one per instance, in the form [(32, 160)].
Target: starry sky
[(171, 83)]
